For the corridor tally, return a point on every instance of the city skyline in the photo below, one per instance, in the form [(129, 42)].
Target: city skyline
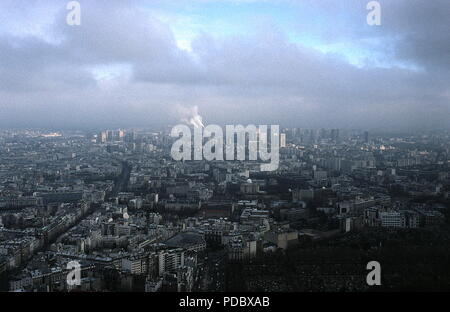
[(218, 154), (117, 211)]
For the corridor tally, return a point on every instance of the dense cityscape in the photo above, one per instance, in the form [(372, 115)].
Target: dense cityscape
[(224, 154), (116, 203)]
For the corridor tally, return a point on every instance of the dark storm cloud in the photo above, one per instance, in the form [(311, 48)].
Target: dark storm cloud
[(255, 78), (422, 28)]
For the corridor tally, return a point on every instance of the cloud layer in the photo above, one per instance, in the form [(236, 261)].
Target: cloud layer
[(125, 66)]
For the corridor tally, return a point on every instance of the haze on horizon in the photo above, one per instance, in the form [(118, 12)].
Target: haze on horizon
[(305, 63)]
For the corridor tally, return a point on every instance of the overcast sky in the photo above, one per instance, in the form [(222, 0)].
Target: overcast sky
[(305, 63)]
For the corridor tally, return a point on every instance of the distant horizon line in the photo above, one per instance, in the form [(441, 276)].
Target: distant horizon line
[(168, 126)]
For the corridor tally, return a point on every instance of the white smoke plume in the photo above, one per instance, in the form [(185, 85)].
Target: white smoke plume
[(190, 115)]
